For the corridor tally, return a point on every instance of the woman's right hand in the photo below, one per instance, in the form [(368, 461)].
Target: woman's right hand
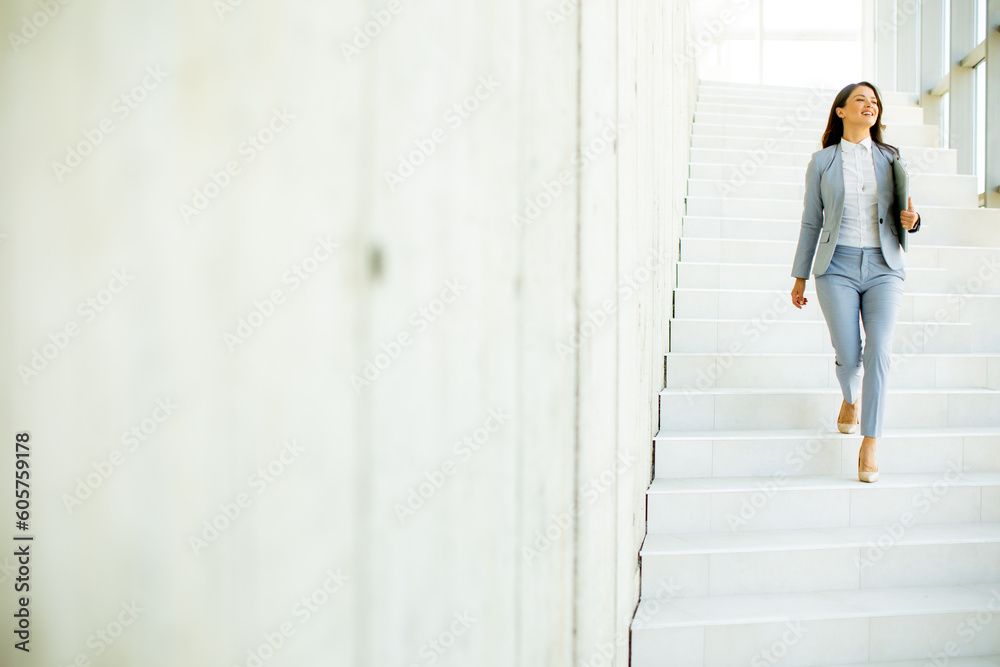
[(799, 293)]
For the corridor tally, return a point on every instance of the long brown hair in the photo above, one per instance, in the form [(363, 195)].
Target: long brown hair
[(835, 124)]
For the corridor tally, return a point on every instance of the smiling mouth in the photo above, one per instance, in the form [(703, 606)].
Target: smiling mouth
[(868, 113)]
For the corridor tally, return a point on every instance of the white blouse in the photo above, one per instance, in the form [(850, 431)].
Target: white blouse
[(859, 221)]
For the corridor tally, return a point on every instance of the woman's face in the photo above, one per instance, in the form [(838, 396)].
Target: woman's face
[(861, 107)]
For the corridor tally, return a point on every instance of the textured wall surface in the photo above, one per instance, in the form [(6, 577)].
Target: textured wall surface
[(337, 327)]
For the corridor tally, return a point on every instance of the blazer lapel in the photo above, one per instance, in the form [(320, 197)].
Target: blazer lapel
[(835, 181), (883, 179)]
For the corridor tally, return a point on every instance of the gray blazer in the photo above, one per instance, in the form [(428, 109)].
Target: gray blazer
[(824, 205)]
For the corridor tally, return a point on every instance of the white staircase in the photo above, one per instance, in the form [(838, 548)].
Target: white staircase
[(762, 547)]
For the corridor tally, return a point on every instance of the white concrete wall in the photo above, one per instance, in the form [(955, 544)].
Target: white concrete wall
[(561, 74)]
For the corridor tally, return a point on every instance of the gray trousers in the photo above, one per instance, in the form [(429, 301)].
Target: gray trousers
[(859, 284)]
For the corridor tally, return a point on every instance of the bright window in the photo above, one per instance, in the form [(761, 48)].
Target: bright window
[(981, 126), (794, 63), (779, 42)]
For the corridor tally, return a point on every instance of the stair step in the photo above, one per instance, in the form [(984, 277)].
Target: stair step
[(939, 225), (812, 131), (946, 226), (791, 97), (919, 160), (766, 333), (954, 190), (693, 454), (764, 307), (797, 560), (713, 114), (980, 661), (913, 137), (763, 173), (797, 407), (969, 269), (979, 260), (718, 275), (765, 94), (816, 111), (859, 626), (692, 302), (736, 173), (685, 370), (783, 500)]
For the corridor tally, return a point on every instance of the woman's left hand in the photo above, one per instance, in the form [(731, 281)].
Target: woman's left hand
[(909, 217)]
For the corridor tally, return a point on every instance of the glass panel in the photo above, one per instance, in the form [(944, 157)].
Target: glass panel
[(981, 126), (720, 16), (727, 47), (980, 20), (946, 55), (790, 63), (725, 39), (744, 15), (732, 60), (812, 15), (945, 109)]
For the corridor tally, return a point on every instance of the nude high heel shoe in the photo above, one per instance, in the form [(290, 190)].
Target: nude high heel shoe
[(849, 427), (864, 475)]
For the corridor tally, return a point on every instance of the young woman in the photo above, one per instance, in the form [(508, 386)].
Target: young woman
[(859, 262)]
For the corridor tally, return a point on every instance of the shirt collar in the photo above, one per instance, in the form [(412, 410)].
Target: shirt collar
[(849, 147)]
